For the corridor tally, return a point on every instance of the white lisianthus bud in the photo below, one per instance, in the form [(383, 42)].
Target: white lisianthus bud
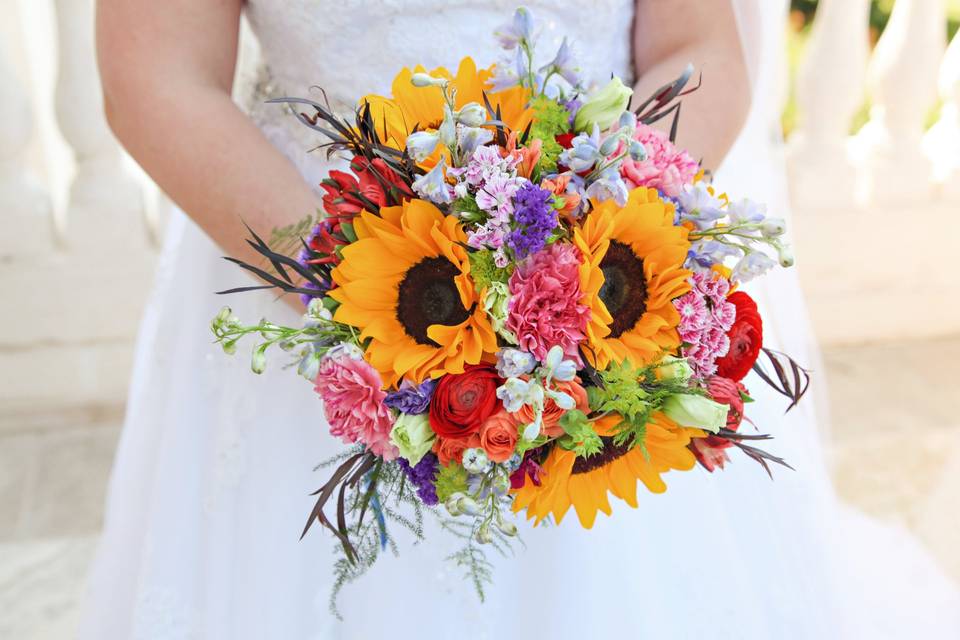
[(472, 114), (773, 227), (448, 128), (604, 107), (609, 145), (507, 528), (224, 315), (483, 534), (421, 79), (421, 144), (699, 412), (468, 505), (453, 504), (785, 256), (638, 152), (258, 362)]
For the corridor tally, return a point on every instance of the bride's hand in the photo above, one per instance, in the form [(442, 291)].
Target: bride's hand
[(669, 34), (167, 71)]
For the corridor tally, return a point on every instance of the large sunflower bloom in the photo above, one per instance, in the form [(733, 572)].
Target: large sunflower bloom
[(631, 271), (583, 482), (405, 283), (411, 107)]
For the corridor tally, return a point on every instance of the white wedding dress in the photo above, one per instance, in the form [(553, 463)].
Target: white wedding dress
[(209, 491)]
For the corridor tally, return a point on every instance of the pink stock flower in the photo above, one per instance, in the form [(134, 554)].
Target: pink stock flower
[(353, 402), (666, 168), (544, 308)]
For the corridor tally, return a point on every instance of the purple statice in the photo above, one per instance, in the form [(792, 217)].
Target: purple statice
[(411, 398), (307, 254), (423, 477), (534, 218)]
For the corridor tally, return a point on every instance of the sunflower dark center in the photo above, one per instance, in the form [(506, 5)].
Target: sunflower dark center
[(608, 454), (428, 295), (624, 289)]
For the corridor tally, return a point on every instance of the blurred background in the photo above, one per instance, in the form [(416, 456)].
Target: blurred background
[(871, 123)]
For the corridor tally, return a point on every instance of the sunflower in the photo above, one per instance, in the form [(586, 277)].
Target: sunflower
[(421, 108), (405, 283), (631, 271), (583, 482)]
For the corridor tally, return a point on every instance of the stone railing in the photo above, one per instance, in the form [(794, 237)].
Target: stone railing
[(876, 211), (78, 248)]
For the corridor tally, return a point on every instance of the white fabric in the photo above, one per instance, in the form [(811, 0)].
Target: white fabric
[(209, 491)]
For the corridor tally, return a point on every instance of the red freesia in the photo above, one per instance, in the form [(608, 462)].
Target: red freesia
[(746, 339), (462, 402), (347, 194)]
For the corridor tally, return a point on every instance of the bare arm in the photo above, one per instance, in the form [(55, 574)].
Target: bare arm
[(669, 34), (167, 69)]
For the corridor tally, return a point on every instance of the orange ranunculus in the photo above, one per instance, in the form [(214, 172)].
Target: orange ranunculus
[(451, 449), (498, 436), (552, 413)]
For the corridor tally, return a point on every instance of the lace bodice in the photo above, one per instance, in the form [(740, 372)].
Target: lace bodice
[(351, 48)]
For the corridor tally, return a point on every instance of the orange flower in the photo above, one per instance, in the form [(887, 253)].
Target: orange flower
[(451, 449), (498, 436), (529, 156), (558, 187), (552, 413)]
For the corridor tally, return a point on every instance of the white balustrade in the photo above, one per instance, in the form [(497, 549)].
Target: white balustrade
[(875, 243), (829, 90), (942, 141), (902, 83), (73, 291)]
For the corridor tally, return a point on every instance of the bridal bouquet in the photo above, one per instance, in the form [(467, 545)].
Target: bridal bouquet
[(522, 298)]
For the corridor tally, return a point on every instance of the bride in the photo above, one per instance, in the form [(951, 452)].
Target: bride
[(209, 490)]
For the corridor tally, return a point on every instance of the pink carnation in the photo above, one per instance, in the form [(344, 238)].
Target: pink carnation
[(544, 305), (666, 168), (353, 402), (705, 318)]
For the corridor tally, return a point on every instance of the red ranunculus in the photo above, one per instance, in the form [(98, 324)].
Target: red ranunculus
[(461, 402), (746, 338)]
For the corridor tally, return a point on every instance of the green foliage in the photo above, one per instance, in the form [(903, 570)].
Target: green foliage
[(550, 119), (579, 434), (484, 270), (451, 479), (286, 240), (634, 393), (466, 209), (381, 499)]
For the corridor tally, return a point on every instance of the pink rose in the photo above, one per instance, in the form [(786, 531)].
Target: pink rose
[(353, 402), (544, 304)]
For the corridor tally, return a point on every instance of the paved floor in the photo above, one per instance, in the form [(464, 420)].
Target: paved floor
[(892, 442)]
